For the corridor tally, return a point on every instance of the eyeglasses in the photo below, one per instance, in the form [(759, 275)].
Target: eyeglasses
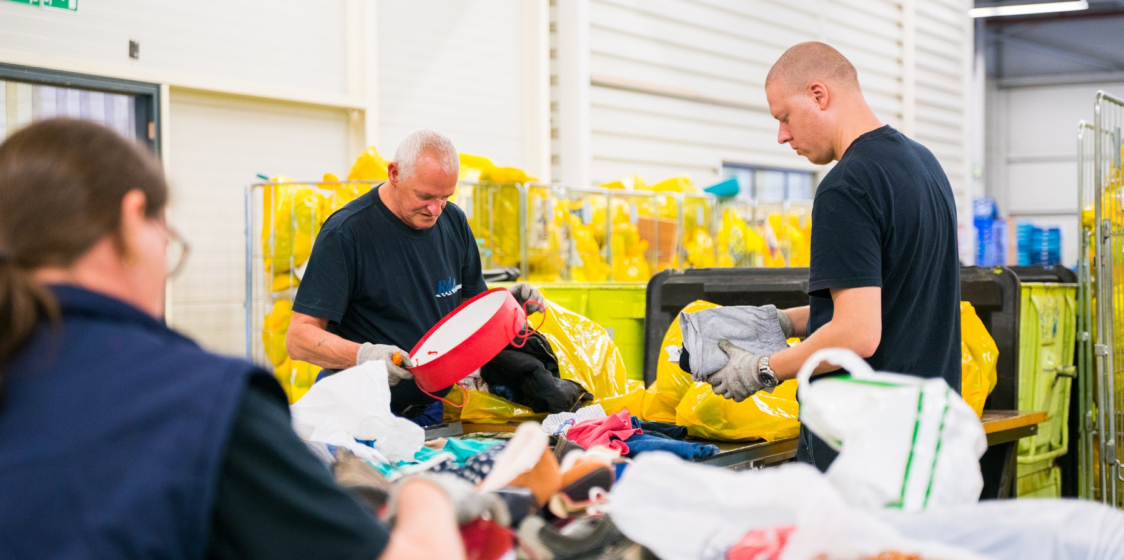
[(177, 251)]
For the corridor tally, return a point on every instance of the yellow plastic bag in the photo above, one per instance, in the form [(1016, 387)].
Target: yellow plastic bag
[(671, 381), (978, 354), (763, 416), (291, 222), (587, 354), (296, 377), (342, 193), (486, 408), (370, 166), (739, 244), (473, 167), (274, 329)]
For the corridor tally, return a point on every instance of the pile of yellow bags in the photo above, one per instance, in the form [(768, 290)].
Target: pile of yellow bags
[(741, 244)]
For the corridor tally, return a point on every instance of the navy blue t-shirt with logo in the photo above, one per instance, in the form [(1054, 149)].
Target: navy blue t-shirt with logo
[(885, 217), (376, 279)]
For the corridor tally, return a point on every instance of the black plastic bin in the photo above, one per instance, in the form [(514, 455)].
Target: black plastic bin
[(994, 292)]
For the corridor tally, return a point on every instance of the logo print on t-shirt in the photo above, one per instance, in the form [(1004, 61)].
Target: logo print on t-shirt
[(448, 287)]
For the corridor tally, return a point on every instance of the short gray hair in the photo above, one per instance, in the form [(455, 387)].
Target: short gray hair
[(422, 141)]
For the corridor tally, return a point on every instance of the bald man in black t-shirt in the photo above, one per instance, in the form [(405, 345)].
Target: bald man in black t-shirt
[(884, 279)]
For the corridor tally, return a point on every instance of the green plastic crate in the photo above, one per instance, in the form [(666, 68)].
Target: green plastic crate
[(1047, 331), (1040, 479), (619, 307)]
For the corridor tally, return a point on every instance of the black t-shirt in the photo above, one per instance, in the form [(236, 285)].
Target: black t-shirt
[(276, 500), (885, 216), (376, 279)]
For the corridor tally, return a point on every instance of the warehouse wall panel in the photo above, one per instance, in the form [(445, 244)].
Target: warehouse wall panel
[(943, 59), (455, 67), (220, 144), (678, 85), (287, 44)]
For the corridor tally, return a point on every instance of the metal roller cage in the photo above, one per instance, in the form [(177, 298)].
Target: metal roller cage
[(1108, 280)]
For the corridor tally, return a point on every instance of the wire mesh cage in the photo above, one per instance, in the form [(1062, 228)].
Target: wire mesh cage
[(282, 221), (1108, 177)]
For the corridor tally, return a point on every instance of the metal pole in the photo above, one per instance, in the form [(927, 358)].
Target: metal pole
[(524, 265), (248, 214), (1104, 304), (609, 232)]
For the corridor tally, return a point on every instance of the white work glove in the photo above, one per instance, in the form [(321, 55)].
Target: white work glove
[(385, 353), (523, 292), (739, 378), (468, 502)]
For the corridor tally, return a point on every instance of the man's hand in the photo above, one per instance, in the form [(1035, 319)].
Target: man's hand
[(523, 292), (395, 372), (467, 501), (738, 379)]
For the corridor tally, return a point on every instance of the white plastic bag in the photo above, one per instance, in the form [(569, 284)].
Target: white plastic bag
[(355, 404), (1036, 529), (681, 510), (904, 442)]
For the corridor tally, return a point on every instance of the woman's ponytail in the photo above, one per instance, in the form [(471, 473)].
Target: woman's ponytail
[(24, 302)]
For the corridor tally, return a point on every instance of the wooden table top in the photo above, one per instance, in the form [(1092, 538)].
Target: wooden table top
[(999, 420), (993, 421)]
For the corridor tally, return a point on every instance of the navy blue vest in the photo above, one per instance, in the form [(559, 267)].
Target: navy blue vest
[(113, 430)]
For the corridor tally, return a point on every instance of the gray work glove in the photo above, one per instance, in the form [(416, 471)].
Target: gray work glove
[(786, 325), (468, 502), (738, 379), (523, 292), (385, 353)]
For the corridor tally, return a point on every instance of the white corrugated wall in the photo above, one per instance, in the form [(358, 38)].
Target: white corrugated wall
[(677, 86), (943, 80)]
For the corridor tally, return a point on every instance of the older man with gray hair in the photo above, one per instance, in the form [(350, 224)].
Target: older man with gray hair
[(386, 268)]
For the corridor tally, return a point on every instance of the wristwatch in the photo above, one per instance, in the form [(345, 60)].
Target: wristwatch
[(766, 374)]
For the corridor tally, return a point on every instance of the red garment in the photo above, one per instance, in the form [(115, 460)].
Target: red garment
[(610, 432), (761, 544)]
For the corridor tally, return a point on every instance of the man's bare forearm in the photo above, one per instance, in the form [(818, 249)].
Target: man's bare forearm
[(799, 318), (310, 343)]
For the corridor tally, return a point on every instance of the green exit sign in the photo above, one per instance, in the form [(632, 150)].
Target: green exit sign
[(69, 5)]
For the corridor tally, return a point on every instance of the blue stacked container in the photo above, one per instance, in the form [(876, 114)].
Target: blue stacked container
[(1025, 232), (1038, 246)]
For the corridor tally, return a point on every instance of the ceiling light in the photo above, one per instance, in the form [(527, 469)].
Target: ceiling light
[(1024, 9)]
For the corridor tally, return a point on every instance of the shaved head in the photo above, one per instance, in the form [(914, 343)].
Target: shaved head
[(811, 62)]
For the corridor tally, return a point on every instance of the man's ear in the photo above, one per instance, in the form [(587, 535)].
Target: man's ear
[(819, 95), (133, 216), (392, 173)]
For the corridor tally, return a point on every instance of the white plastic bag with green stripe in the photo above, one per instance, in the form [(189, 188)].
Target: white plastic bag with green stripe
[(904, 442)]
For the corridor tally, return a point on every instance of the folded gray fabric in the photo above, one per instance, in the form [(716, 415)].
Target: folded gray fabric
[(754, 329)]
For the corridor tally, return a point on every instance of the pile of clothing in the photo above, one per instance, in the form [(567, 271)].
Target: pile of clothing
[(628, 436), (520, 493)]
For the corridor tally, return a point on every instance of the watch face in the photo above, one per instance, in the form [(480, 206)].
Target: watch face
[(768, 377)]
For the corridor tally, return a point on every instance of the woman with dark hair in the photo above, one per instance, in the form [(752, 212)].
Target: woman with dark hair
[(120, 438)]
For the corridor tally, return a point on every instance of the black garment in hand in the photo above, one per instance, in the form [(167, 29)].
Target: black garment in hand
[(529, 376)]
